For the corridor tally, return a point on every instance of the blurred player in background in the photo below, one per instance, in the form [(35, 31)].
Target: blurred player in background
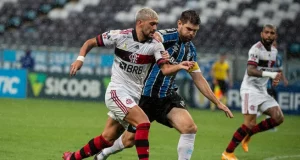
[(270, 88), (261, 60), (135, 52), (278, 64), (160, 101), (222, 79)]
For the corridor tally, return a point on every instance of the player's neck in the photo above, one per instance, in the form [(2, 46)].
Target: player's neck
[(139, 35), (267, 46)]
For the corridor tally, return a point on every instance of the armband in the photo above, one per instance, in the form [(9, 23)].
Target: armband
[(80, 58), (269, 74)]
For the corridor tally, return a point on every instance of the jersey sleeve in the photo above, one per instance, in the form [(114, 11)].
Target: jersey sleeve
[(253, 58), (108, 38), (158, 50), (168, 35)]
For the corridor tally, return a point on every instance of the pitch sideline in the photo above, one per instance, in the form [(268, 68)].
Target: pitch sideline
[(282, 157)]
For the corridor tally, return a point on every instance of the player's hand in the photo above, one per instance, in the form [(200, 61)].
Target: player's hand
[(165, 55), (75, 66), (276, 80), (285, 82), (187, 65), (226, 110)]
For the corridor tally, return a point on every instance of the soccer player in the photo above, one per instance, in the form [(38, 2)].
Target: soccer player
[(221, 75), (135, 52), (270, 88), (160, 101), (262, 57)]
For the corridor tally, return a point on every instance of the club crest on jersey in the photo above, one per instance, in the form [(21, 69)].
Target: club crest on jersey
[(252, 107), (133, 58), (129, 101)]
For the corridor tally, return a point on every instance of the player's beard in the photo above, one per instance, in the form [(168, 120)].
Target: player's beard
[(148, 35), (268, 42), (185, 38)]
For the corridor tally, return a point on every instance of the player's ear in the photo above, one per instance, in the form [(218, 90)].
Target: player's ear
[(179, 23), (139, 22)]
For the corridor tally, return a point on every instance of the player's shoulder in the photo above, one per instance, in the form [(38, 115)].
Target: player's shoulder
[(274, 49), (154, 41), (123, 32), (126, 31), (256, 47), (193, 48), (167, 31)]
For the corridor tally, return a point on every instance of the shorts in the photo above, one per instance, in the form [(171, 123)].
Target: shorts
[(158, 108), (118, 101), (252, 102), (223, 86)]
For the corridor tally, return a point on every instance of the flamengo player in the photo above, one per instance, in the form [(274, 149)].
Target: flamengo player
[(135, 52), (262, 57)]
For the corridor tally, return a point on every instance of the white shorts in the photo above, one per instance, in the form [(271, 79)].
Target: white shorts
[(252, 102), (118, 101)]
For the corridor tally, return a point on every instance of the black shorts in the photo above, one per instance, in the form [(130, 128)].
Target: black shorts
[(223, 86), (157, 108), (272, 92)]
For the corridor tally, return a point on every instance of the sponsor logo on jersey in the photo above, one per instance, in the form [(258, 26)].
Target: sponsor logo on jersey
[(131, 68), (253, 57)]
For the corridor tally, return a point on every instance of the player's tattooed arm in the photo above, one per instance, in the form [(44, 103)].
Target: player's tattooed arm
[(252, 71)]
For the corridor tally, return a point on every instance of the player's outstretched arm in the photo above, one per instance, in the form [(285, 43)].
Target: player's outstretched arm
[(205, 89), (171, 69), (86, 47)]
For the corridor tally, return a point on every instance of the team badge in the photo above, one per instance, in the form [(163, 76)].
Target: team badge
[(129, 101)]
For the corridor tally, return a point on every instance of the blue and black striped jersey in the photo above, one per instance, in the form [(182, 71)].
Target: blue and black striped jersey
[(158, 85)]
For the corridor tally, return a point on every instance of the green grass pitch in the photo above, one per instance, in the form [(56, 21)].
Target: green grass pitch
[(34, 129)]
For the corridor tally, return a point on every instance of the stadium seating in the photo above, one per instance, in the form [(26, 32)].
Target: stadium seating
[(229, 24)]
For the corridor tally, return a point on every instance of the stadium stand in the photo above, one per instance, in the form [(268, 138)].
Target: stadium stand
[(225, 24)]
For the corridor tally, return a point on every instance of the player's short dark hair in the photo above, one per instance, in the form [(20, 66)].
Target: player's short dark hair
[(269, 26), (190, 16)]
